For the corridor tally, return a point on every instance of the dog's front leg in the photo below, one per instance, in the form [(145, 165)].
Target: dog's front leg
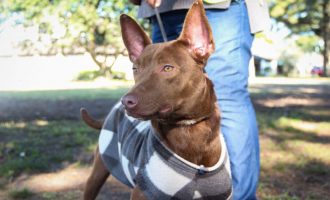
[(137, 194), (97, 178)]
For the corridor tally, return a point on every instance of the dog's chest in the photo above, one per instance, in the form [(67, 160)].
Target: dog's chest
[(135, 156)]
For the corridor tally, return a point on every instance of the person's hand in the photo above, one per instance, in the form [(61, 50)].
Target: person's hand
[(154, 3)]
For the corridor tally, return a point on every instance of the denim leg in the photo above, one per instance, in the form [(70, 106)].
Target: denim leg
[(172, 21), (228, 69)]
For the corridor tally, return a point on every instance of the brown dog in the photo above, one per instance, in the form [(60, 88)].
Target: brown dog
[(181, 155)]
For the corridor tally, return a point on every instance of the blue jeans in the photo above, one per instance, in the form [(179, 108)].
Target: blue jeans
[(228, 69)]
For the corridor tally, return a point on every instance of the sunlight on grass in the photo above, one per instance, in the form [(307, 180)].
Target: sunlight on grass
[(284, 163), (313, 150), (296, 139), (296, 153), (41, 122), (322, 128), (12, 124), (295, 148), (277, 161)]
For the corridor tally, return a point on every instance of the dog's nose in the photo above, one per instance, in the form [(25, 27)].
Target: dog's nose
[(130, 101)]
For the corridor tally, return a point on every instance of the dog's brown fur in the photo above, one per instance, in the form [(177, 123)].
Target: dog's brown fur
[(172, 91)]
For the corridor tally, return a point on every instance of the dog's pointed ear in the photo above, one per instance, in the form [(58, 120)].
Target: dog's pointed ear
[(196, 32), (135, 39)]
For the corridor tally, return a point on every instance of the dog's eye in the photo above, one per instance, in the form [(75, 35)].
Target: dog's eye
[(168, 68), (135, 69)]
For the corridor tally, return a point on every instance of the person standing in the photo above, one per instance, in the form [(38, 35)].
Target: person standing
[(233, 23)]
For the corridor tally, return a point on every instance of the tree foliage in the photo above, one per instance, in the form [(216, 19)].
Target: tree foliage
[(308, 43), (309, 18), (72, 24)]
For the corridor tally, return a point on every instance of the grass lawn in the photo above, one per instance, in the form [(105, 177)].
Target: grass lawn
[(112, 92), (43, 156)]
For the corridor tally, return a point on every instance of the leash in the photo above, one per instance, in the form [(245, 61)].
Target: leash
[(160, 23)]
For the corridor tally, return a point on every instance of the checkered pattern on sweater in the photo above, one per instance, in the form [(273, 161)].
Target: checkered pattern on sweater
[(134, 154)]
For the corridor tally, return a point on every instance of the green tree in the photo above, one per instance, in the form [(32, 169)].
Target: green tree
[(306, 17), (308, 43), (89, 24)]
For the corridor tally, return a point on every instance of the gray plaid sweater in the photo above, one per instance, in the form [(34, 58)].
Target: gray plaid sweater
[(134, 154)]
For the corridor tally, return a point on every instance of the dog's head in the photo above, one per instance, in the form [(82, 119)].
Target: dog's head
[(169, 78)]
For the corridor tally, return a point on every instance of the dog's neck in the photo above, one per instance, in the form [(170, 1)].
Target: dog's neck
[(183, 122), (196, 140)]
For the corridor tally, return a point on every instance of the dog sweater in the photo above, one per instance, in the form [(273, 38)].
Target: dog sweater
[(135, 155)]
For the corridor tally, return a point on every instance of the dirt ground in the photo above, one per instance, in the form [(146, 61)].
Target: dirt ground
[(266, 98)]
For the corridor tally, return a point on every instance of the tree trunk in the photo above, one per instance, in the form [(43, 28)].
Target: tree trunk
[(104, 69), (326, 35), (326, 57), (98, 63)]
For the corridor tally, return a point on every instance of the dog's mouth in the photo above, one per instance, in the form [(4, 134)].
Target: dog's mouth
[(162, 112), (138, 115)]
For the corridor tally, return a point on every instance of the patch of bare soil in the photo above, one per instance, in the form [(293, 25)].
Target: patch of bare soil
[(68, 184)]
